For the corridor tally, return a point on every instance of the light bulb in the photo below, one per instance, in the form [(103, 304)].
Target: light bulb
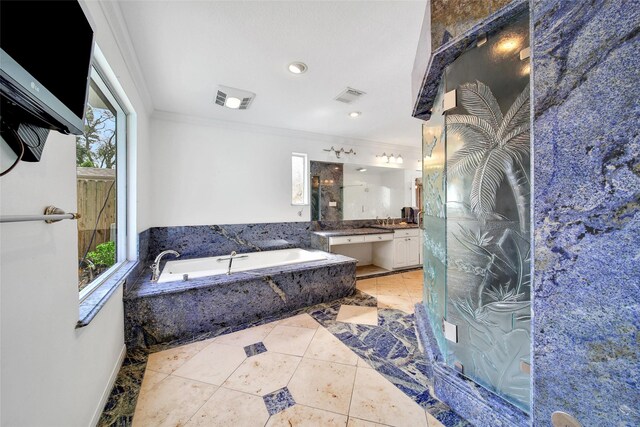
[(232, 102), (399, 159)]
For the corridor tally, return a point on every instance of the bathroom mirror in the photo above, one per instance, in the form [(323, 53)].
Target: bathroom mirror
[(350, 191)]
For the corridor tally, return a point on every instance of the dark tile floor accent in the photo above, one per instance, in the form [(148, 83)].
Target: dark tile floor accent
[(278, 401), (255, 349)]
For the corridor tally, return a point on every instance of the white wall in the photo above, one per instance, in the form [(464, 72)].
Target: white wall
[(53, 374), (212, 172)]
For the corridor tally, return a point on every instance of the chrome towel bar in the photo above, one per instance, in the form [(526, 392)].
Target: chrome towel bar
[(51, 215)]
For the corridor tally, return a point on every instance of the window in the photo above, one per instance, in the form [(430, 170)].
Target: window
[(299, 179), (101, 187)]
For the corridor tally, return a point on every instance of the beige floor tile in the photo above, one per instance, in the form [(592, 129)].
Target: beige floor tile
[(325, 346), (393, 289), (168, 361), (303, 416), (263, 374), (247, 336), (416, 295), (433, 422), (301, 321), (415, 274), (357, 314), (355, 422), (213, 364), (395, 302), (394, 279), (231, 408), (413, 284), (367, 286), (376, 399), (323, 385), (289, 340), (171, 402), (150, 379), (363, 363)]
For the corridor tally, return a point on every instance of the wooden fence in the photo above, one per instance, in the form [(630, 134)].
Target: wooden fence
[(93, 190)]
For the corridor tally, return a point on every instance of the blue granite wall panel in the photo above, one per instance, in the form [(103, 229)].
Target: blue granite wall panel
[(586, 145)]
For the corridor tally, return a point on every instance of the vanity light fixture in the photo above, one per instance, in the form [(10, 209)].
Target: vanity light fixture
[(355, 114), (298, 67), (391, 158), (340, 151)]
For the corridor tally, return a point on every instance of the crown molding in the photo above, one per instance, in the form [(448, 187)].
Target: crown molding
[(114, 17), (330, 139)]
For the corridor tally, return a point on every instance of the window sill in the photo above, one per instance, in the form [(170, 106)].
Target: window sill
[(93, 303)]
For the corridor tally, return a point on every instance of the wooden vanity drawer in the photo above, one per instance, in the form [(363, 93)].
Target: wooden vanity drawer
[(413, 232), (378, 237), (345, 240)]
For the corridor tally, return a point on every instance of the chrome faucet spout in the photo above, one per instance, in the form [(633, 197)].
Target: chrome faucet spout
[(155, 267), (231, 262)]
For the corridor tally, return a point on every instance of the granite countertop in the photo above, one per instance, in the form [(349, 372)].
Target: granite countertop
[(352, 232)]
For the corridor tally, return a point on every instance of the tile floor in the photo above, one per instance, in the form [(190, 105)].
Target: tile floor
[(290, 372)]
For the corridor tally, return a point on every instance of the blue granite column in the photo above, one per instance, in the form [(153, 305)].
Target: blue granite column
[(586, 145)]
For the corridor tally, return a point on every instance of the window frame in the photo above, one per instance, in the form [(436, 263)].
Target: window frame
[(126, 248), (305, 179)]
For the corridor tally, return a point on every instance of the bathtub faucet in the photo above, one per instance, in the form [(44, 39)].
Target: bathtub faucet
[(233, 255), (155, 267)]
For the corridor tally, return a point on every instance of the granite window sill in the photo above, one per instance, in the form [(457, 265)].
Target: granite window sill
[(92, 305)]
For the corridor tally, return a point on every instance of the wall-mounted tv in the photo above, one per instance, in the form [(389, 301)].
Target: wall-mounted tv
[(45, 58)]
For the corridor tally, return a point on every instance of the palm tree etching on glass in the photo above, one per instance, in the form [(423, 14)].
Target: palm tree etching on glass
[(495, 149)]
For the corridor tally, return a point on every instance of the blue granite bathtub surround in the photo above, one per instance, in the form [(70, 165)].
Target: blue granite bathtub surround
[(452, 49), (162, 312), (214, 240), (586, 75)]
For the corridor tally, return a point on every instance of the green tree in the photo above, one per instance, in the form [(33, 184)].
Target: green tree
[(96, 146)]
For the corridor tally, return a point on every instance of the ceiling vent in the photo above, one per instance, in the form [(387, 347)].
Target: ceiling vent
[(234, 98), (349, 95)]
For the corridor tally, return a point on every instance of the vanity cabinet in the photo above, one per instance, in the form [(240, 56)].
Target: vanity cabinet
[(377, 250), (406, 248)]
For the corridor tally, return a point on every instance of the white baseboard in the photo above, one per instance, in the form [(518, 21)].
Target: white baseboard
[(109, 386)]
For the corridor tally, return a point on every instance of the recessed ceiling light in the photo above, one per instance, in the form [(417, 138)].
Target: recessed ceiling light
[(232, 102), (355, 114), (361, 169), (298, 67)]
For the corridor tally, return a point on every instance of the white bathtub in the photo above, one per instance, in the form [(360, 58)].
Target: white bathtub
[(212, 266)]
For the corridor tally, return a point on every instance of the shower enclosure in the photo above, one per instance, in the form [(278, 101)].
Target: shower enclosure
[(476, 183)]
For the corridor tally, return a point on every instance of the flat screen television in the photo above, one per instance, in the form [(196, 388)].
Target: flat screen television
[(45, 59)]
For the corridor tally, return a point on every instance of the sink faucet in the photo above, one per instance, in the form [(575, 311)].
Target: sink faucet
[(155, 267)]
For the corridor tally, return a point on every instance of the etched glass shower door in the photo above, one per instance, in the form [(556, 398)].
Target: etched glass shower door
[(483, 155)]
